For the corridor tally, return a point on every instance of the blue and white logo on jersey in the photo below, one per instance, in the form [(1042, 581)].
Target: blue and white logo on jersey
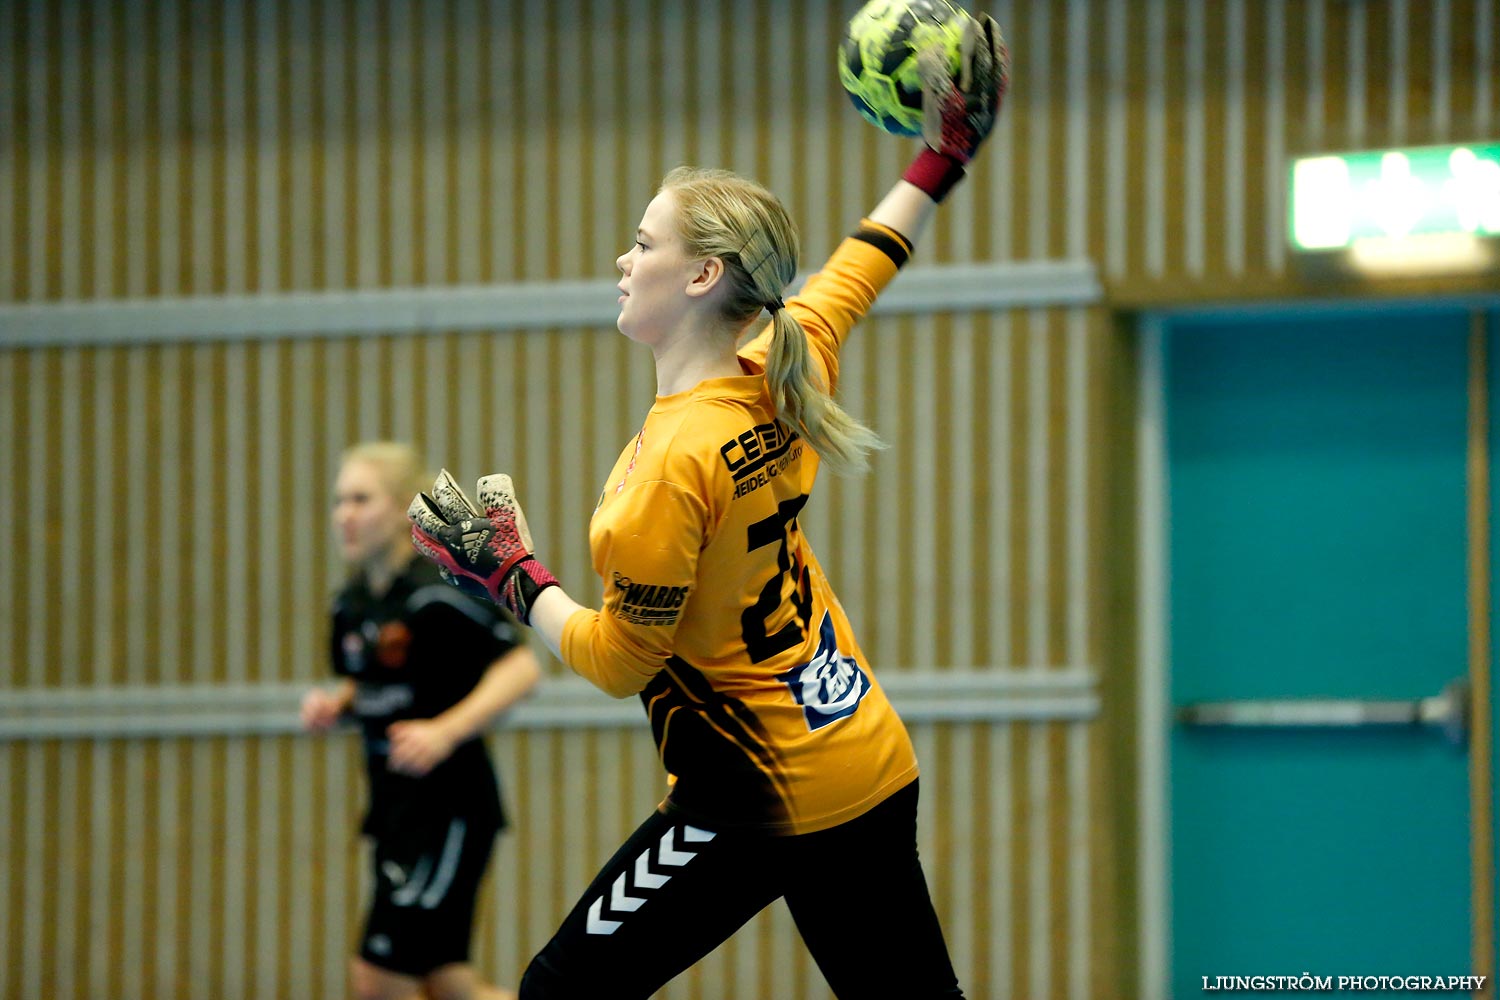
[(830, 686)]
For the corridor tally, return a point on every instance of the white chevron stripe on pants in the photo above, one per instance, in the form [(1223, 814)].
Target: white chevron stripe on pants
[(646, 880)]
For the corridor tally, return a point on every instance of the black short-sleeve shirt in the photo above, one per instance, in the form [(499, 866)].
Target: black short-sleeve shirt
[(414, 652)]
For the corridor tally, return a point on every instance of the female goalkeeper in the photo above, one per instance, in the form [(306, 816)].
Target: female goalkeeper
[(791, 775)]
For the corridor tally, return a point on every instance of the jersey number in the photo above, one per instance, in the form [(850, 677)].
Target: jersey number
[(777, 529)]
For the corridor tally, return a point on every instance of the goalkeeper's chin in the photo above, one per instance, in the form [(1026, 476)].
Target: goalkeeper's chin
[(621, 323), (626, 323)]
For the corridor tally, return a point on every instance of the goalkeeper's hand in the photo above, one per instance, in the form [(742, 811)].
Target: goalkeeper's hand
[(959, 112), (484, 549)]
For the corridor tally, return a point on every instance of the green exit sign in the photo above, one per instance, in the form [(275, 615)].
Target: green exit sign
[(1340, 199)]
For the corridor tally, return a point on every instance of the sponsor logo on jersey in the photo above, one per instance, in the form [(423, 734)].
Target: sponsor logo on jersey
[(831, 685), (769, 471), (645, 603), (392, 644), (759, 454), (379, 700)]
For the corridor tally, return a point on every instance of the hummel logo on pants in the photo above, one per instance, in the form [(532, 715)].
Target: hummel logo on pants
[(620, 900)]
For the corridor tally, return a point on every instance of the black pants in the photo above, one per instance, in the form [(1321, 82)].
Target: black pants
[(675, 891)]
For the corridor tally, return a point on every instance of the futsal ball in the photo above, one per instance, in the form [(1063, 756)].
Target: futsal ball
[(878, 58)]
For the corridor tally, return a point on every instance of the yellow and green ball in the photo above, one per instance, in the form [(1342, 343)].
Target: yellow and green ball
[(878, 58)]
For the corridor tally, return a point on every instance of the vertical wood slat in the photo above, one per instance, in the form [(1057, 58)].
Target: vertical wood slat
[(1269, 195), (11, 608), (31, 666), (72, 458), (960, 475), (1111, 101), (101, 955), (66, 121), (1486, 91), (1157, 155), (33, 833), (32, 152), (1195, 126), (133, 860), (14, 202), (1078, 863), (1481, 749), (1354, 45)]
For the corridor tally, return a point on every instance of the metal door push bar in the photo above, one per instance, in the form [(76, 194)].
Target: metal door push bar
[(1447, 712)]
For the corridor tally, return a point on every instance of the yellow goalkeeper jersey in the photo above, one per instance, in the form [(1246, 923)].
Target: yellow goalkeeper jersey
[(716, 612)]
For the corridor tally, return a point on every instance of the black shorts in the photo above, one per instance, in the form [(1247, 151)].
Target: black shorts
[(426, 880), (676, 890)]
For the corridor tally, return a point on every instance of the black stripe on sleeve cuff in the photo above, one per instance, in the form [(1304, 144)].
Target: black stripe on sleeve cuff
[(894, 247)]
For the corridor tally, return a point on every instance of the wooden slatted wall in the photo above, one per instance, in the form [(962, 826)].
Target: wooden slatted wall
[(163, 506)]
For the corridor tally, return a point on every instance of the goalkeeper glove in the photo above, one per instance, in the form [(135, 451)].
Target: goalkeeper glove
[(958, 113), (485, 549)]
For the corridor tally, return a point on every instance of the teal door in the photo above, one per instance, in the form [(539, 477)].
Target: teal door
[(1317, 549)]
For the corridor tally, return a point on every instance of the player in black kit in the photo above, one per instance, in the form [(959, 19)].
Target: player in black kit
[(424, 670)]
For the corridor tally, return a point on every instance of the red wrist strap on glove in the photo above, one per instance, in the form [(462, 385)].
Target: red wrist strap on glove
[(934, 172), (519, 586)]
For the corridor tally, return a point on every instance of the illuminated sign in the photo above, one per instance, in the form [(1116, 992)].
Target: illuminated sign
[(1339, 200)]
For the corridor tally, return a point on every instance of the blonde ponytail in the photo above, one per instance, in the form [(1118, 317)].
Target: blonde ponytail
[(842, 442), (723, 215)]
